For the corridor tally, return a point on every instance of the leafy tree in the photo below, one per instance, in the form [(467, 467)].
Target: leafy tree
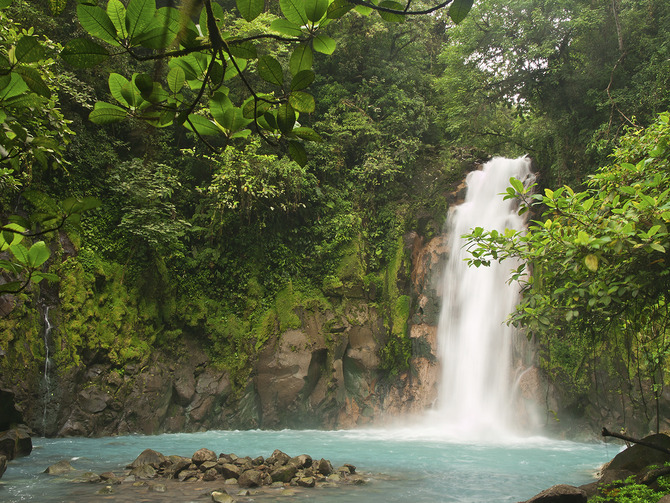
[(596, 263)]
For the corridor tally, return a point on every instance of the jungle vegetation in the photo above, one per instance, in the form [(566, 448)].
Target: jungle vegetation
[(199, 172)]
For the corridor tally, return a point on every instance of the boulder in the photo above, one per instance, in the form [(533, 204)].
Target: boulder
[(230, 471), (211, 474), (284, 473), (202, 455), (16, 442), (149, 457), (59, 468), (251, 478), (637, 457), (222, 497), (561, 493), (302, 461), (278, 458), (324, 467), (143, 472), (306, 482)]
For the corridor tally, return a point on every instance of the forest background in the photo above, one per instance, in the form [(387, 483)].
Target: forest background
[(181, 241)]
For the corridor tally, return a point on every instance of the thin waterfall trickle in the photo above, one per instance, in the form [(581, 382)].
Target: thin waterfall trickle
[(475, 343), (46, 381)]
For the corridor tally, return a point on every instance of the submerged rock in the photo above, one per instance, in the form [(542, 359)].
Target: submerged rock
[(59, 468)]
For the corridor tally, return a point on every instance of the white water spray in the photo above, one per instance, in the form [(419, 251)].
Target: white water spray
[(475, 343)]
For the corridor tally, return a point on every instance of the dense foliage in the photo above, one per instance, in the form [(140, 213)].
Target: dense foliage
[(259, 156)]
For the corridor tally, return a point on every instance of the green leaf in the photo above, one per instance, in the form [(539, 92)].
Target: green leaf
[(117, 14), (302, 102), (144, 83), (306, 133), (285, 117), (363, 10), (297, 152), (459, 9), (140, 14), (33, 80), (250, 9), (96, 22), (11, 287), (38, 254), (591, 262), (106, 113), (302, 80), (175, 79), (257, 108), (120, 88), (29, 50), (286, 27), (244, 50), (294, 11), (270, 70), (218, 105), (15, 87), (315, 9), (338, 8), (658, 247), (20, 252), (517, 185), (323, 44), (202, 125), (39, 276), (83, 53), (392, 17), (301, 59)]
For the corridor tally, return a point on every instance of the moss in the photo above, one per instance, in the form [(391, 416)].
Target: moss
[(285, 304)]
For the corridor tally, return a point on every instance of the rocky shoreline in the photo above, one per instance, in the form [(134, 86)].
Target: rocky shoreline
[(224, 478)]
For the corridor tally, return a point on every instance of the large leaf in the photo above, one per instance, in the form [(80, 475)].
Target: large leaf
[(120, 88), (338, 8), (29, 50), (323, 44), (294, 11), (286, 27), (302, 80), (306, 133), (202, 125), (218, 106), (244, 50), (175, 79), (250, 9), (285, 117), (392, 17), (96, 21), (106, 113), (217, 10), (270, 70), (459, 9), (83, 53), (38, 254), (302, 102), (140, 15), (14, 87), (33, 79), (297, 152), (117, 14), (315, 9), (301, 59)]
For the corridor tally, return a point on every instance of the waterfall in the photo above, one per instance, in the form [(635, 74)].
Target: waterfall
[(474, 342), (46, 381)]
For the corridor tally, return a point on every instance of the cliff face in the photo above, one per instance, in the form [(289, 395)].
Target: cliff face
[(325, 372)]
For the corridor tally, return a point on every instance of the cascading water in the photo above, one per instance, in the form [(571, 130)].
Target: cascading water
[(474, 342), (46, 381)]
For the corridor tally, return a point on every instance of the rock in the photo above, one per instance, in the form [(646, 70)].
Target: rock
[(302, 461), (59, 468), (188, 474), (244, 492), (106, 490), (175, 465), (158, 488), (210, 475), (665, 499), (3, 464), (250, 478), (284, 473), (561, 493), (149, 457), (637, 457), (207, 465), (324, 467), (9, 413), (278, 458), (222, 497), (143, 472), (334, 477), (93, 400), (202, 455), (306, 482), (16, 442), (258, 461), (230, 471)]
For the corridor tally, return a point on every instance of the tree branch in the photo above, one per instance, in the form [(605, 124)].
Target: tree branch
[(606, 433)]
